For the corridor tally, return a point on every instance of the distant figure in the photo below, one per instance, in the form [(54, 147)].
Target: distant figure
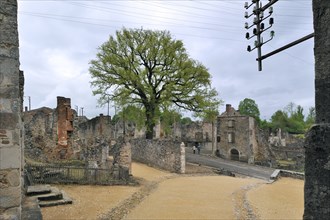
[(194, 149), (198, 147)]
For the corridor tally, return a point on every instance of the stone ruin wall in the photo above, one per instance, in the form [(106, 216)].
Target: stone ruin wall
[(247, 138), (65, 132), (285, 146), (94, 138), (238, 127), (164, 154), (11, 126), (195, 132), (40, 134)]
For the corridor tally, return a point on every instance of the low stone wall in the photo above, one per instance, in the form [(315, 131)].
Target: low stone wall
[(292, 174), (165, 154)]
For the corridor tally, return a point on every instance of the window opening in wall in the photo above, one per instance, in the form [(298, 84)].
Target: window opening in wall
[(231, 123), (231, 137)]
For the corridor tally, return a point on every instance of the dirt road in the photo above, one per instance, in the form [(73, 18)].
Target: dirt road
[(198, 195)]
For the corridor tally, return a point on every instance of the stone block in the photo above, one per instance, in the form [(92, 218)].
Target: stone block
[(317, 172), (5, 105), (10, 197), (10, 157), (10, 178), (8, 121), (11, 214), (9, 72), (7, 91)]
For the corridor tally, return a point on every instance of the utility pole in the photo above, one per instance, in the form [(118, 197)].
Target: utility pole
[(108, 106), (29, 99), (317, 143), (258, 11), (82, 111), (259, 26)]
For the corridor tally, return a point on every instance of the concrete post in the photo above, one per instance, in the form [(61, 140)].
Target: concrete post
[(182, 158), (317, 144), (11, 102)]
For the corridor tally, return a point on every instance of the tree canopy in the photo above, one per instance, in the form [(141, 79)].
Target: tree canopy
[(249, 107), (153, 71)]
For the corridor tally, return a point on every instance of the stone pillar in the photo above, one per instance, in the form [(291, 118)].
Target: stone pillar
[(157, 129), (182, 158), (317, 143), (11, 93)]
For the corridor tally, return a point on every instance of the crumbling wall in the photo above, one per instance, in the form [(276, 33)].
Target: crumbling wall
[(11, 126), (40, 134), (122, 159), (165, 154), (93, 137), (65, 118)]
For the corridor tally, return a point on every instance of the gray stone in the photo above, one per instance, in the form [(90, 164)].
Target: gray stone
[(8, 120), (164, 154), (10, 197), (13, 178), (38, 189), (317, 176), (11, 96), (11, 214), (10, 157)]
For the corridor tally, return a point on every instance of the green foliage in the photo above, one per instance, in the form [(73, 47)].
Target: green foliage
[(279, 120), (130, 113), (168, 118), (150, 69), (292, 119), (249, 107), (310, 119), (186, 121)]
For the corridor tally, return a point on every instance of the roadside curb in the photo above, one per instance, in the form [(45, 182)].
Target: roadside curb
[(286, 173)]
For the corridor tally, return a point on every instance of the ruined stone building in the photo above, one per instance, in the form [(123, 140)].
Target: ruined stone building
[(49, 132), (52, 134), (11, 127), (238, 138), (191, 133), (288, 148)]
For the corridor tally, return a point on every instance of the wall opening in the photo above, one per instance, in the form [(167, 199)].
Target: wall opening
[(234, 154)]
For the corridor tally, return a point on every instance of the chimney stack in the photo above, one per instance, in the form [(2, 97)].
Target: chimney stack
[(228, 107)]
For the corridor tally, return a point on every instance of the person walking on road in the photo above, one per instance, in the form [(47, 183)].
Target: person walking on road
[(194, 149), (199, 148)]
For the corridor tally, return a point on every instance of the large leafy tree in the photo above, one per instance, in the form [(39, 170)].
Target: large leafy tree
[(249, 107), (151, 70)]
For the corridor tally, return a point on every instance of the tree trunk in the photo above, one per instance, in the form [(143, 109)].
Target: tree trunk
[(317, 143), (150, 120)]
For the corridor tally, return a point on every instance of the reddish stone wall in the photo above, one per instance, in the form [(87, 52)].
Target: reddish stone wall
[(64, 128)]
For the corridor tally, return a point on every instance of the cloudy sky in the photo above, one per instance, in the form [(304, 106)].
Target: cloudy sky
[(58, 39)]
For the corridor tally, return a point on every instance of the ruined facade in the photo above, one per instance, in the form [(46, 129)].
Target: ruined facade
[(11, 102), (40, 134), (52, 134), (287, 150), (238, 138), (65, 117), (93, 139), (201, 132)]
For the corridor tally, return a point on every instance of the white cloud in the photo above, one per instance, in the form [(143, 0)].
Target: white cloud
[(55, 50)]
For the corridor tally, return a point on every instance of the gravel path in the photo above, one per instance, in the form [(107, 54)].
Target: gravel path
[(200, 194)]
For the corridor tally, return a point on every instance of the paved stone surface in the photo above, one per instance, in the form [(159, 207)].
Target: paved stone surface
[(259, 172), (31, 209), (38, 189)]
